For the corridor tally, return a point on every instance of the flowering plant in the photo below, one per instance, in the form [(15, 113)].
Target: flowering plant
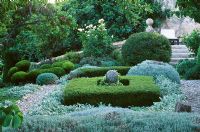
[(96, 41)]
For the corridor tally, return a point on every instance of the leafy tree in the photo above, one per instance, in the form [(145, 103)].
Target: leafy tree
[(190, 8)]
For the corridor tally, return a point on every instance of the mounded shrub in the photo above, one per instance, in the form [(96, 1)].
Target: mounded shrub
[(142, 91), (12, 71), (184, 65), (66, 65), (46, 78), (23, 65), (56, 70), (19, 77), (155, 68), (74, 57), (146, 46), (45, 66), (193, 73)]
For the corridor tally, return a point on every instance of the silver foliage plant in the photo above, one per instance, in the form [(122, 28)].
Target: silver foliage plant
[(155, 68)]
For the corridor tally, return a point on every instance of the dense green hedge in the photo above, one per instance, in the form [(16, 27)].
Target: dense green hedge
[(146, 46), (141, 91), (23, 65)]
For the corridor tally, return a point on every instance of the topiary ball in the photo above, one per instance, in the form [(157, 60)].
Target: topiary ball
[(155, 68), (68, 66), (146, 46), (19, 77), (46, 78), (112, 76), (23, 65), (11, 71)]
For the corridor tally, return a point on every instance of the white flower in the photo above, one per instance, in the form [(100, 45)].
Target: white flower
[(80, 30), (112, 36), (94, 27), (101, 21), (90, 26)]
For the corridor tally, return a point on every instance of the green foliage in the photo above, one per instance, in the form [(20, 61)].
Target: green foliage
[(45, 66), (183, 66), (11, 71), (96, 72), (189, 8), (11, 58), (66, 65), (46, 78), (86, 90), (146, 46), (192, 41), (23, 65), (31, 77), (117, 55), (198, 56), (96, 41), (99, 61), (10, 115), (19, 77), (74, 57), (122, 18), (193, 73), (155, 68)]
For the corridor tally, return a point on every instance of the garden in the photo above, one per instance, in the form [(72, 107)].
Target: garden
[(61, 70)]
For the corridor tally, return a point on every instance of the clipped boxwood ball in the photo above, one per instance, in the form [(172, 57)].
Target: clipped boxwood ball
[(68, 66), (23, 65), (11, 71), (46, 78), (146, 46), (19, 77)]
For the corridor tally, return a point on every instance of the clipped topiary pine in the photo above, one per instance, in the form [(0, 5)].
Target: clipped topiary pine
[(23, 65), (19, 77), (46, 78), (146, 46)]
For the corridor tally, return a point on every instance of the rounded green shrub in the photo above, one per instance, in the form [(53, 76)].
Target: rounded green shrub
[(146, 46), (12, 71), (46, 78), (45, 66), (19, 77), (193, 73), (58, 64), (56, 70), (74, 57), (155, 68), (184, 65), (192, 41), (68, 66), (23, 65)]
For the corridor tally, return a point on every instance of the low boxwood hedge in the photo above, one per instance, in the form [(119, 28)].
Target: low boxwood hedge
[(96, 72), (141, 91)]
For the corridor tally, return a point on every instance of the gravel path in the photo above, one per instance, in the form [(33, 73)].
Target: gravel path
[(191, 88), (31, 99)]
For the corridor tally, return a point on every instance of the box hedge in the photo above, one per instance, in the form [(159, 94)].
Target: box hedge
[(23, 65), (101, 71), (141, 91), (19, 77)]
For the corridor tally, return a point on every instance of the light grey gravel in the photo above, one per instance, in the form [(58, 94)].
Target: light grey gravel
[(191, 88), (32, 99)]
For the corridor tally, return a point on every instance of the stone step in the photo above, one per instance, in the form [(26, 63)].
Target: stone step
[(179, 47), (180, 51), (178, 59), (180, 55)]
